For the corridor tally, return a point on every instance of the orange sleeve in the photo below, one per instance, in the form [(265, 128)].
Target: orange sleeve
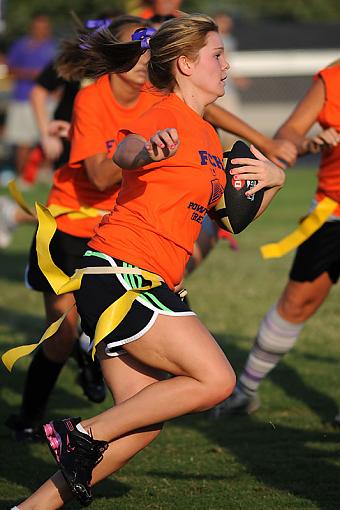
[(87, 132), (149, 123)]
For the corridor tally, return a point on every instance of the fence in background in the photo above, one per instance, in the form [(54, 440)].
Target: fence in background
[(276, 80)]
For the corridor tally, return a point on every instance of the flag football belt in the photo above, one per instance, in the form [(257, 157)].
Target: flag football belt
[(55, 209), (61, 283), (307, 227)]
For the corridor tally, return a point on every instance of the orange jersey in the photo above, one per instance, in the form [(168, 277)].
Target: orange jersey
[(97, 118), (329, 173), (161, 206)]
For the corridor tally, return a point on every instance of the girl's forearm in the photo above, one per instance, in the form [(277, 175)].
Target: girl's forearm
[(268, 196)]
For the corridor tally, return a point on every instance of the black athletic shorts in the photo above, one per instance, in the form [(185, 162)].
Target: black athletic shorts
[(319, 253), (97, 292), (67, 253)]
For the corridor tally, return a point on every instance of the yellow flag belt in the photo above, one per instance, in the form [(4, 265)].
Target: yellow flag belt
[(56, 210), (306, 228), (61, 283)]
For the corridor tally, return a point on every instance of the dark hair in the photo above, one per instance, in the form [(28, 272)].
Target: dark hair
[(88, 53), (185, 35)]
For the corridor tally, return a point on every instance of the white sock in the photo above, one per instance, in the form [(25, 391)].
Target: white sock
[(275, 338), (81, 429), (85, 342)]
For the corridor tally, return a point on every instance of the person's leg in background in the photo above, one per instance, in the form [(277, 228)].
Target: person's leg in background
[(315, 270)]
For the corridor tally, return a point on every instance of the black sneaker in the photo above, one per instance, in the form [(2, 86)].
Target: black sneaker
[(90, 376), (23, 429), (76, 454)]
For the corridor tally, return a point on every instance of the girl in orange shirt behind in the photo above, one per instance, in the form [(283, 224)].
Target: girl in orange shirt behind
[(172, 175), (89, 182)]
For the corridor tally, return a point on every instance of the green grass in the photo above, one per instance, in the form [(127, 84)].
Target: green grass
[(284, 457)]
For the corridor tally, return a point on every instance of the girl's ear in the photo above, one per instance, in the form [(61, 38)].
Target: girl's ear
[(184, 65)]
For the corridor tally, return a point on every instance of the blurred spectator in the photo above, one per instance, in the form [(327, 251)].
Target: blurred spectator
[(6, 164), (157, 10), (231, 100), (26, 58), (54, 147)]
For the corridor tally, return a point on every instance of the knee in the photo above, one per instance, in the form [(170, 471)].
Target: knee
[(295, 309), (220, 387)]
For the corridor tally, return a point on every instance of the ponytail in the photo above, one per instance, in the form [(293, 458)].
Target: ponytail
[(94, 53)]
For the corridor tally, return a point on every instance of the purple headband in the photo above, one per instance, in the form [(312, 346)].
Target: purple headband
[(96, 24), (143, 35)]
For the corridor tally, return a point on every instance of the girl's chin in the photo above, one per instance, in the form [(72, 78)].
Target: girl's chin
[(221, 91)]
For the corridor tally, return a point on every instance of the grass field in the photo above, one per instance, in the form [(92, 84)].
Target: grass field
[(285, 457)]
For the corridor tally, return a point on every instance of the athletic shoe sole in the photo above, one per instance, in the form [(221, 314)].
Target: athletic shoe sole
[(55, 445)]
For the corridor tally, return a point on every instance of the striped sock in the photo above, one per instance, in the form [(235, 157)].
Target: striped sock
[(275, 337)]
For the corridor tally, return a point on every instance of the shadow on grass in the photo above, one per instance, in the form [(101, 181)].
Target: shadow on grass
[(288, 379), (32, 468), (294, 460), (284, 458), (287, 458), (12, 265), (18, 324)]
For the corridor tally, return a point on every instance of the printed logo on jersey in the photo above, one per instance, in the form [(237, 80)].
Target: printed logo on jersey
[(216, 191), (199, 211), (109, 145), (210, 159)]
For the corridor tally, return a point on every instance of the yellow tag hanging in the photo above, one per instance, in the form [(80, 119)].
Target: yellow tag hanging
[(56, 210), (11, 356), (18, 197), (306, 228), (61, 283), (116, 312)]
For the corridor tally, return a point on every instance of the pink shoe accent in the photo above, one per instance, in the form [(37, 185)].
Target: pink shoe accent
[(54, 440), (54, 443), (48, 430)]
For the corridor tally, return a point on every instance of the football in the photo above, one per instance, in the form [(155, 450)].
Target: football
[(235, 210)]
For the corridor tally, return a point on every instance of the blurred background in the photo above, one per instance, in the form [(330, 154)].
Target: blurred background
[(276, 46), (274, 49)]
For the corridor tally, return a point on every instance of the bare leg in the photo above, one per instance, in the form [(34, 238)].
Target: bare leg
[(204, 377), (300, 300), (183, 347), (277, 335)]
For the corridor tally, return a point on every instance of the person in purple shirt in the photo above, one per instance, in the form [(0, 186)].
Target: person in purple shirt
[(26, 58)]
